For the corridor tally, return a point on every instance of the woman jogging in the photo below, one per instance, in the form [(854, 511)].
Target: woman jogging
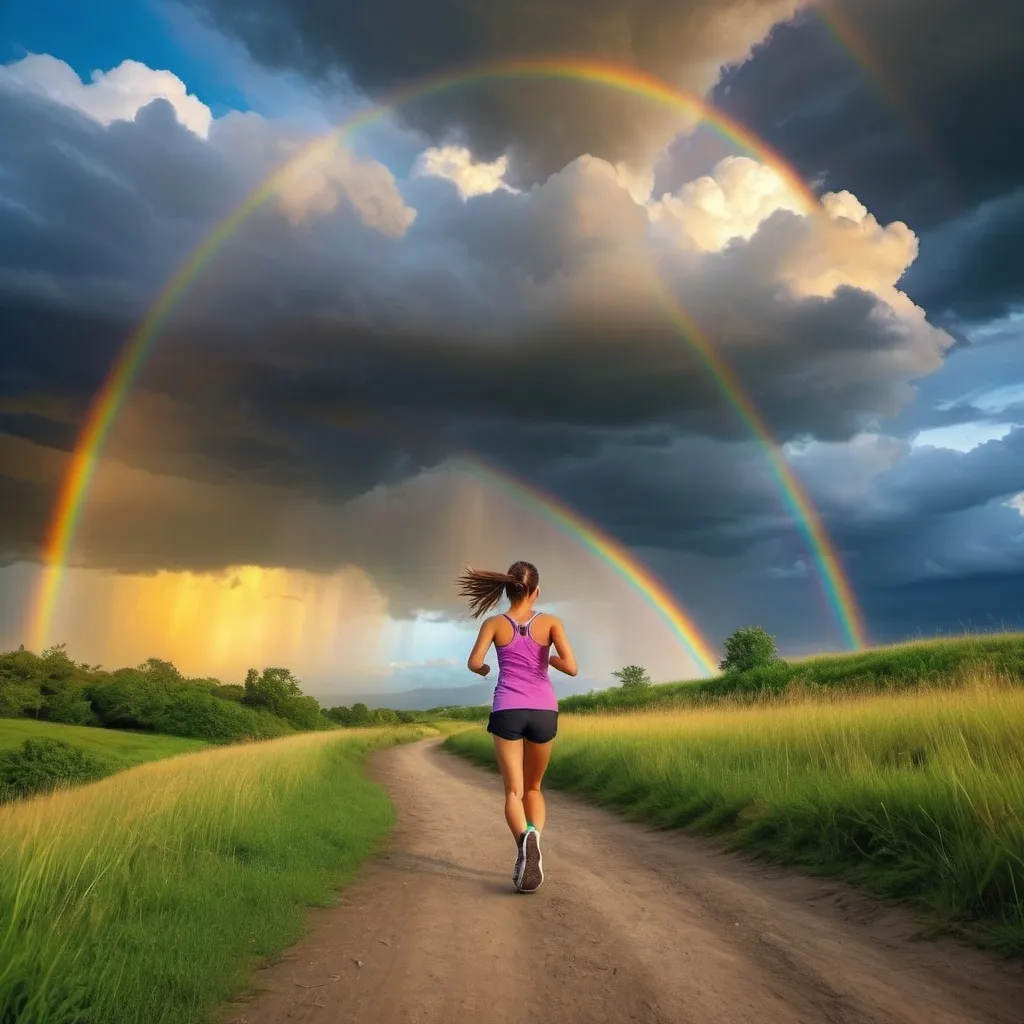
[(524, 712)]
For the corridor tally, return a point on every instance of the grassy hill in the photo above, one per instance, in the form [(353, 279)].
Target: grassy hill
[(121, 748), (36, 757), (881, 669)]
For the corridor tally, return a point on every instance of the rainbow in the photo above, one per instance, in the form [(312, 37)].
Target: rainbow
[(834, 581), (108, 402), (608, 550), (591, 537), (850, 38)]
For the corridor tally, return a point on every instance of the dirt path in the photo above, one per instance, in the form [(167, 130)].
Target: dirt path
[(630, 925)]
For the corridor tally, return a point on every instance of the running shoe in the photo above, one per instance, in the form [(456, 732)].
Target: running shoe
[(517, 871), (531, 873)]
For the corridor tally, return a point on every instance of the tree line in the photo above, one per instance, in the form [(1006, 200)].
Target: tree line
[(156, 697)]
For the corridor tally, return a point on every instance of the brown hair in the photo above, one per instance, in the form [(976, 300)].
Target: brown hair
[(484, 588)]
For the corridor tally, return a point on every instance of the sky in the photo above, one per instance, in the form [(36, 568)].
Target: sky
[(776, 367)]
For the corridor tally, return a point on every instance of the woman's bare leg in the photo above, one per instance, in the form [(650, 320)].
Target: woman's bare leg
[(510, 762), (535, 763)]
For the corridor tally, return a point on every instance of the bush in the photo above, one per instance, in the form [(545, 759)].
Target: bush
[(227, 691), (195, 712), (68, 705), (39, 765), (303, 712), (18, 698), (130, 700), (749, 648)]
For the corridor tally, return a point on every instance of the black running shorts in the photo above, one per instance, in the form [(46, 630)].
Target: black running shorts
[(524, 724)]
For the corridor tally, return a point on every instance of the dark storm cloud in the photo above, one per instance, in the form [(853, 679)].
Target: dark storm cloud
[(972, 268), (440, 337), (320, 357), (320, 380), (928, 143), (393, 43), (98, 217), (912, 513), (935, 481), (78, 198), (933, 607), (957, 67)]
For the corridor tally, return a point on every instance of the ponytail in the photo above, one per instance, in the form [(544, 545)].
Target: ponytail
[(484, 588)]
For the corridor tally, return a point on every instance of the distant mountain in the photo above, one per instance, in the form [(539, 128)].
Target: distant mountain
[(424, 698)]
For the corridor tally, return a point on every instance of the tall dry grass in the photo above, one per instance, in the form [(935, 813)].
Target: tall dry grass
[(917, 795)]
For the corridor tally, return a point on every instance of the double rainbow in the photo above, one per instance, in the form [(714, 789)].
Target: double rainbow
[(108, 402)]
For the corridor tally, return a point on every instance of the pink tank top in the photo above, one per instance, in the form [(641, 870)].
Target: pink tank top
[(523, 672)]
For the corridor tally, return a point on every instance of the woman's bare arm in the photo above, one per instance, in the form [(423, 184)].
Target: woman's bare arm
[(484, 639), (564, 660)]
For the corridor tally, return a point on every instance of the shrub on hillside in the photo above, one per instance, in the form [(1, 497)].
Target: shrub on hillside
[(227, 691), (749, 648), (67, 703), (360, 714), (192, 711), (304, 712), (762, 680), (129, 700), (19, 698), (40, 765)]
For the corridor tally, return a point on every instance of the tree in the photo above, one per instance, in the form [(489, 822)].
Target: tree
[(747, 648), (161, 671), (270, 690), (339, 714), (56, 664), (360, 714), (633, 677), (276, 690)]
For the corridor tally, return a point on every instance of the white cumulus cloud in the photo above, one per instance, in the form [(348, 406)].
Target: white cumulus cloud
[(115, 95), (457, 165), (318, 179), (730, 202)]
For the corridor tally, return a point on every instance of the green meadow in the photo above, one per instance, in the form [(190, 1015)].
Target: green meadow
[(917, 795), (120, 748), (148, 896), (39, 757), (888, 669)]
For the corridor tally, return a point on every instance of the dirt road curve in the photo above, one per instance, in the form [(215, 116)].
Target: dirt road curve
[(630, 925)]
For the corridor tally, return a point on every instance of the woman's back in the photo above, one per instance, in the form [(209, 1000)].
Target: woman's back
[(522, 649)]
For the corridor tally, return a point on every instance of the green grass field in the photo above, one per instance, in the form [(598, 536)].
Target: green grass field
[(880, 669), (917, 795), (147, 897), (121, 748)]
